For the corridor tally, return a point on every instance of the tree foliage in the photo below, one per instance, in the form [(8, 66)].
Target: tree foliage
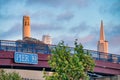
[(69, 66), (9, 76)]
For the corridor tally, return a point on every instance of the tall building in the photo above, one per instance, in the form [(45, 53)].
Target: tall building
[(47, 39), (102, 43), (26, 27)]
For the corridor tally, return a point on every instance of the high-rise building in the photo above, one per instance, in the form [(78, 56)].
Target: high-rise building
[(47, 39), (102, 43), (26, 27)]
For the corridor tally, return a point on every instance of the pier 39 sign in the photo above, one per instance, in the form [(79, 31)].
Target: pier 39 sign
[(28, 58)]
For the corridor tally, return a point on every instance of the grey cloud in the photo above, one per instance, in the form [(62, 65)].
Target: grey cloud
[(65, 16), (82, 27), (45, 27), (43, 15), (48, 2), (57, 3), (15, 31), (112, 30), (116, 29), (10, 17)]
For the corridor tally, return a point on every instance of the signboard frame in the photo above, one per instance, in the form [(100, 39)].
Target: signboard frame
[(25, 58)]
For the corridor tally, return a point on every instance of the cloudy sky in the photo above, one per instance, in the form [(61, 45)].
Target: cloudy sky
[(63, 20)]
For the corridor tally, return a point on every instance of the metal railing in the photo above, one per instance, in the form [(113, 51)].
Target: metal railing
[(105, 56), (19, 46)]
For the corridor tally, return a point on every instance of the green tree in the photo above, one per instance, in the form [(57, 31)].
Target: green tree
[(9, 76), (69, 66)]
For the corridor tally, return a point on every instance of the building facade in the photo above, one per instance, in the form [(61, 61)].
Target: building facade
[(47, 39)]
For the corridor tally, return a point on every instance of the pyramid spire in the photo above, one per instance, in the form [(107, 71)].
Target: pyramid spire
[(102, 43), (102, 36)]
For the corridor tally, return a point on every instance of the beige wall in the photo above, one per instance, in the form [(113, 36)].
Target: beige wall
[(38, 75), (30, 74)]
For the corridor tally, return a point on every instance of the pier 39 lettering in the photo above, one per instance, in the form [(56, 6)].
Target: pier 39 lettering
[(26, 58)]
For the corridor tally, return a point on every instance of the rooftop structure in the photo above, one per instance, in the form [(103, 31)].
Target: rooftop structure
[(47, 39)]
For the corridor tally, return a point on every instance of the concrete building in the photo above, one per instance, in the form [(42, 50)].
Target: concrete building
[(102, 43), (47, 39)]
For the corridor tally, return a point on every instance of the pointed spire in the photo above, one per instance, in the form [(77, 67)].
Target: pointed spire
[(102, 36), (102, 43)]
